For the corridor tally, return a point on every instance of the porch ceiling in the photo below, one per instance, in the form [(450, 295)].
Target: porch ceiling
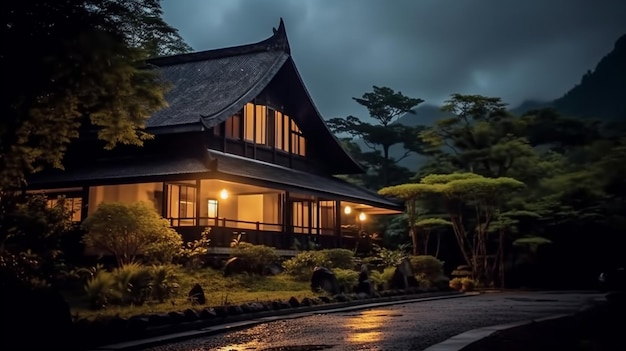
[(266, 174)]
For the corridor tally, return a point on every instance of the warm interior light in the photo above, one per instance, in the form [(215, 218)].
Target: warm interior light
[(224, 194), (347, 210), (362, 216)]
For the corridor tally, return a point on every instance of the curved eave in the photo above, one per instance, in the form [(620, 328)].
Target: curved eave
[(352, 166)]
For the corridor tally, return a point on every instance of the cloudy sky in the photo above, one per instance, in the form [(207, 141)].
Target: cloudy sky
[(513, 49)]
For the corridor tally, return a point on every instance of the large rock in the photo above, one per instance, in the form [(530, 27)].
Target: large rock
[(403, 276), (196, 295), (364, 285), (324, 279)]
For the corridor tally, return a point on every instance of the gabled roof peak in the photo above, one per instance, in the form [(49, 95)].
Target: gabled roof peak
[(277, 42)]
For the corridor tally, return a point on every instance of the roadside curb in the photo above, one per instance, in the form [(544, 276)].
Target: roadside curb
[(255, 320), (463, 340)]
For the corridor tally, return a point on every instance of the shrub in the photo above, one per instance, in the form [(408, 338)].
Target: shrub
[(128, 230), (347, 278), (455, 284), (100, 289), (164, 284), (301, 266), (426, 267), (193, 253), (467, 284), (133, 282), (389, 258), (377, 279), (257, 257), (462, 271), (337, 258), (387, 275)]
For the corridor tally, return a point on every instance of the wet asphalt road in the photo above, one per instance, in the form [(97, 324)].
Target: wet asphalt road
[(412, 326)]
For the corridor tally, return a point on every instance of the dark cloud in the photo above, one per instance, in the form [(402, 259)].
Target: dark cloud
[(517, 50)]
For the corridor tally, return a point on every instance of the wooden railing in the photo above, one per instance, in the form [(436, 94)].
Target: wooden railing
[(224, 231)]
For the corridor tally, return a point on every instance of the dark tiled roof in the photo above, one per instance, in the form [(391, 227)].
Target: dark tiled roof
[(135, 168), (208, 88), (298, 180)]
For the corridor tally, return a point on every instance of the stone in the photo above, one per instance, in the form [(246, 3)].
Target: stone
[(324, 279), (273, 269), (293, 302), (364, 285), (403, 276), (207, 313), (196, 295), (234, 265), (234, 310), (191, 315)]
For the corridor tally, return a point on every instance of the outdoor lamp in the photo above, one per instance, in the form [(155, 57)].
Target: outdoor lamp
[(362, 216), (347, 210), (224, 194)]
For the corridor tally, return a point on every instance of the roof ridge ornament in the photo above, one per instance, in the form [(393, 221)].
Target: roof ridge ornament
[(279, 41)]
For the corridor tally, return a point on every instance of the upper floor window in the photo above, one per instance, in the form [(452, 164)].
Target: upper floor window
[(264, 125)]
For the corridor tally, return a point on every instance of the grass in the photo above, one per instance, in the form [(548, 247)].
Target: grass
[(218, 290)]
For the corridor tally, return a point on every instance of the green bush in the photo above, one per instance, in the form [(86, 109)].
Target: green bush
[(257, 257), (426, 267), (301, 266), (467, 284), (194, 253), (455, 283), (377, 279), (164, 284), (129, 230), (346, 278), (337, 258), (387, 275), (100, 289), (133, 282), (387, 257)]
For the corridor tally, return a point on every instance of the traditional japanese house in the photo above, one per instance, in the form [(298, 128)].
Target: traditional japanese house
[(241, 149)]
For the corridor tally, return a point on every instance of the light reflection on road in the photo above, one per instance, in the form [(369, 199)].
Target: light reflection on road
[(366, 327)]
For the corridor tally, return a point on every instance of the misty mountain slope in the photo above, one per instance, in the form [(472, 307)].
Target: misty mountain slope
[(601, 93)]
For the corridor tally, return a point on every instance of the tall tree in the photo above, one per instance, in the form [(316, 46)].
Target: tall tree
[(480, 136), (384, 105), (76, 65)]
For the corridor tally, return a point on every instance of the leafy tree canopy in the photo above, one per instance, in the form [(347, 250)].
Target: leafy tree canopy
[(72, 66)]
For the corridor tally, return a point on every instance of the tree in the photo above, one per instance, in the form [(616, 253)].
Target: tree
[(480, 136), (129, 230), (384, 105), (76, 67), (410, 193), (485, 198), (30, 236), (427, 225)]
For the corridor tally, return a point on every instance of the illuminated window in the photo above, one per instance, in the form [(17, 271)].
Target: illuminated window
[(278, 123), (73, 204), (181, 205), (232, 128), (212, 206), (260, 126), (297, 140), (249, 122), (264, 125)]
